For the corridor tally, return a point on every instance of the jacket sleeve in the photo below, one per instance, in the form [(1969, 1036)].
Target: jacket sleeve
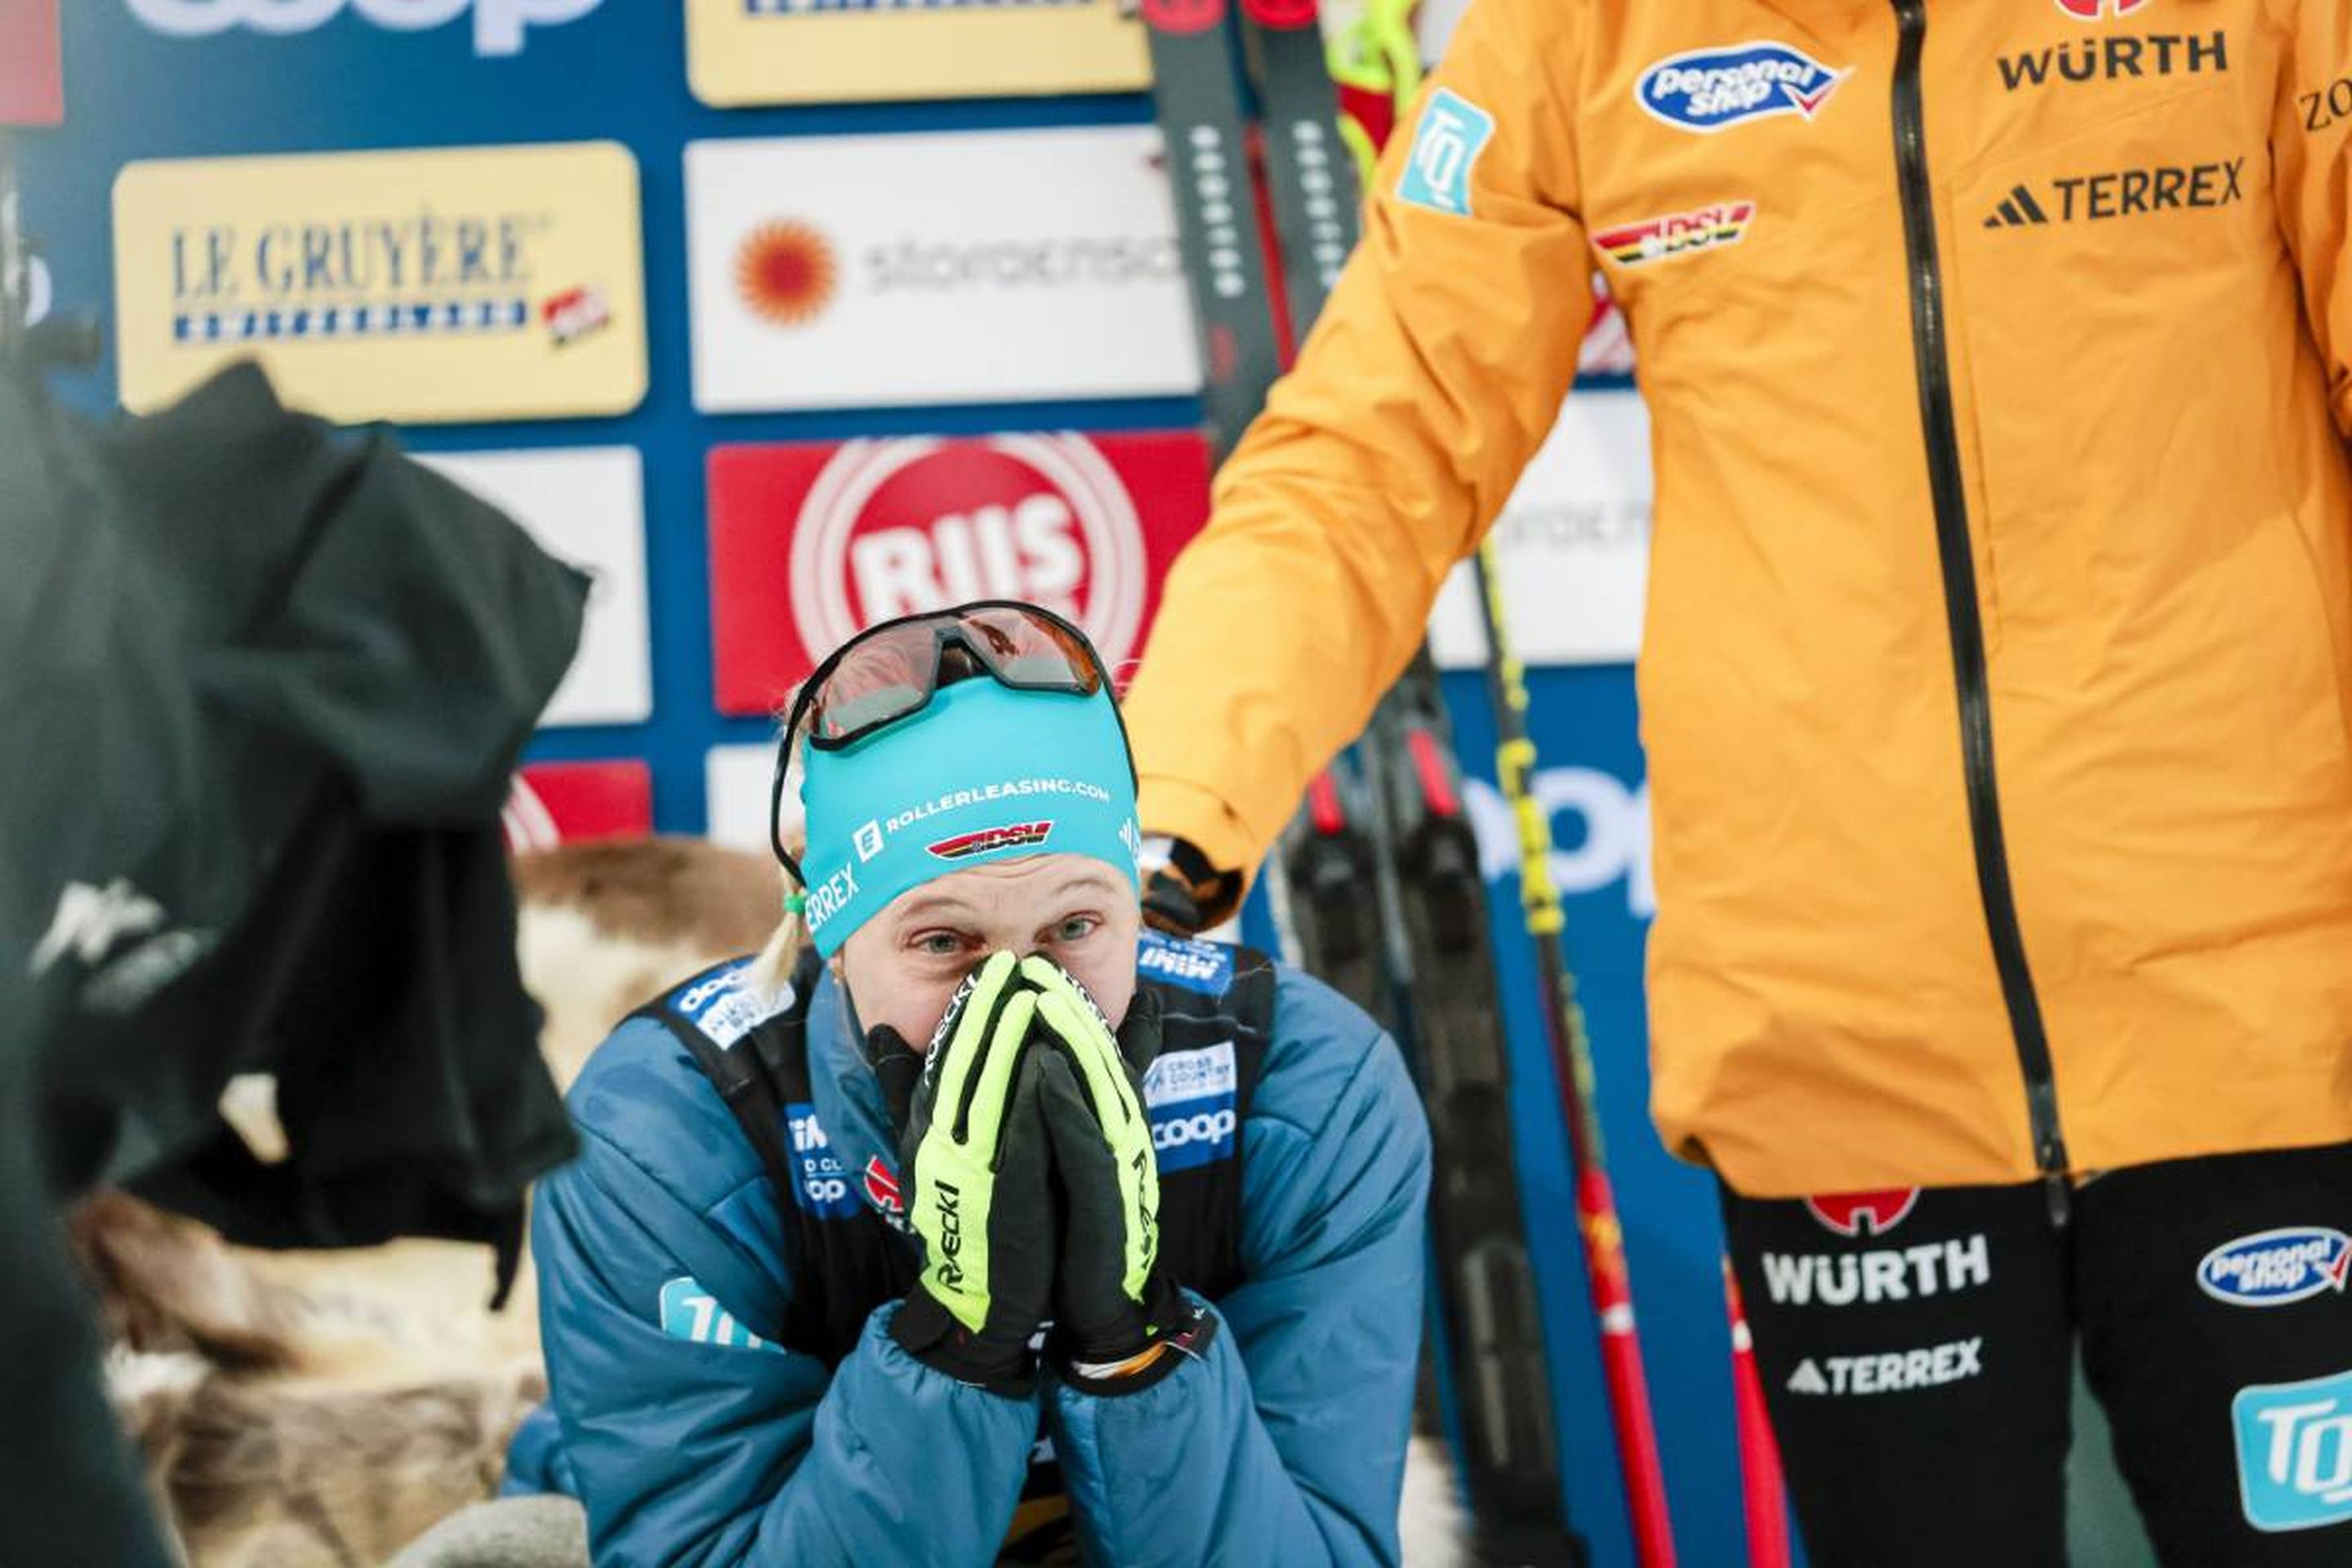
[(2309, 148), (699, 1442), (1434, 372), (1285, 1444)]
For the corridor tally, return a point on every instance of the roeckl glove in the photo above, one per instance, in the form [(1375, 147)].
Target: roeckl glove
[(980, 1191), (1120, 1323)]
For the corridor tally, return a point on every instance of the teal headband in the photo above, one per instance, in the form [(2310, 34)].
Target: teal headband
[(984, 773)]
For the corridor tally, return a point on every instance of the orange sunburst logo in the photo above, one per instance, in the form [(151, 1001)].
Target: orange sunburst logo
[(784, 273)]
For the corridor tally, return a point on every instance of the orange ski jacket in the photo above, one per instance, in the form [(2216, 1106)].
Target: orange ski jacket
[(1997, 683)]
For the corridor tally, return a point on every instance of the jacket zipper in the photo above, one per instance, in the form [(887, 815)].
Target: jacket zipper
[(1960, 612)]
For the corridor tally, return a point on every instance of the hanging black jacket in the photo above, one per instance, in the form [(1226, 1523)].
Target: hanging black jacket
[(262, 686)]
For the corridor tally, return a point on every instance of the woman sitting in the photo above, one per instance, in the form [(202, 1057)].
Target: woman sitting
[(972, 1222)]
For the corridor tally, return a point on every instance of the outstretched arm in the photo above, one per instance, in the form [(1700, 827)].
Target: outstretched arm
[(1433, 374)]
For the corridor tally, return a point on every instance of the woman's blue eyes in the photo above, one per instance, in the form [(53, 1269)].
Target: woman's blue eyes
[(952, 944)]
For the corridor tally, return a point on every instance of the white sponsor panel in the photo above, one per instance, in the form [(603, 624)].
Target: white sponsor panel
[(1600, 829), (1574, 540), (735, 781), (882, 271), (587, 506)]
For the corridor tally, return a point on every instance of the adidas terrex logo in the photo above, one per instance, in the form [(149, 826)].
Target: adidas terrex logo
[(2123, 193), (2114, 57)]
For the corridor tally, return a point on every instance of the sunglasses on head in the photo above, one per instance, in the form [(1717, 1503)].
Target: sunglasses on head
[(892, 670)]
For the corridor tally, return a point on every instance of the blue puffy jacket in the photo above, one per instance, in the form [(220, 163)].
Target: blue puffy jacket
[(703, 1444)]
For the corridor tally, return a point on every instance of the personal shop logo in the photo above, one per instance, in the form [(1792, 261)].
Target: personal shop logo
[(2277, 1267), (1709, 91)]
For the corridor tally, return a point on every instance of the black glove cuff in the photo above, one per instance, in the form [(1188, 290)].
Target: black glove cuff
[(932, 1336), (1188, 1338), (1188, 892)]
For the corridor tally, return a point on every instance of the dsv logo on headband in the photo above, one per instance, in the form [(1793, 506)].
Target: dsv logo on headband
[(498, 25)]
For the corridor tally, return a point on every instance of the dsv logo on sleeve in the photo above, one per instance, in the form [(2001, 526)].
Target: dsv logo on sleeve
[(2295, 1452), (1708, 90), (498, 25)]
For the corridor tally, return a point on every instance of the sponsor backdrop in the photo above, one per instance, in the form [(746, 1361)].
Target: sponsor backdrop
[(769, 371)]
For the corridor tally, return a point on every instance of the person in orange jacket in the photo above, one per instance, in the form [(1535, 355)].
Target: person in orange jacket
[(1997, 689)]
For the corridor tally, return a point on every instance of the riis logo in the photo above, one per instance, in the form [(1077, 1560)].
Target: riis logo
[(2099, 10), (2123, 193), (897, 527), (498, 25)]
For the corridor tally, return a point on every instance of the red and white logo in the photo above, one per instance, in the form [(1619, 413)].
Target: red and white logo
[(32, 73), (1864, 1214), (566, 803), (1182, 15), (846, 536), (881, 1184), (1287, 15), (990, 840), (2099, 10), (574, 313)]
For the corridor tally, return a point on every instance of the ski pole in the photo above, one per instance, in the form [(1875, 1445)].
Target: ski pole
[(1763, 1493), (1571, 1054)]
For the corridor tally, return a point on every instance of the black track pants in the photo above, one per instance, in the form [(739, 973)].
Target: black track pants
[(1915, 1349)]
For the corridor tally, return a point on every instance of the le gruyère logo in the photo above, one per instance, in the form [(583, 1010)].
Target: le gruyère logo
[(449, 284)]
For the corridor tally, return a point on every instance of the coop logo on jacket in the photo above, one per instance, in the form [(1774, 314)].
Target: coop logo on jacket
[(1192, 1098), (450, 284), (1708, 90), (977, 267)]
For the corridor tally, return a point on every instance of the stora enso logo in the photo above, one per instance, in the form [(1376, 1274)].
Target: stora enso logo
[(498, 25)]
